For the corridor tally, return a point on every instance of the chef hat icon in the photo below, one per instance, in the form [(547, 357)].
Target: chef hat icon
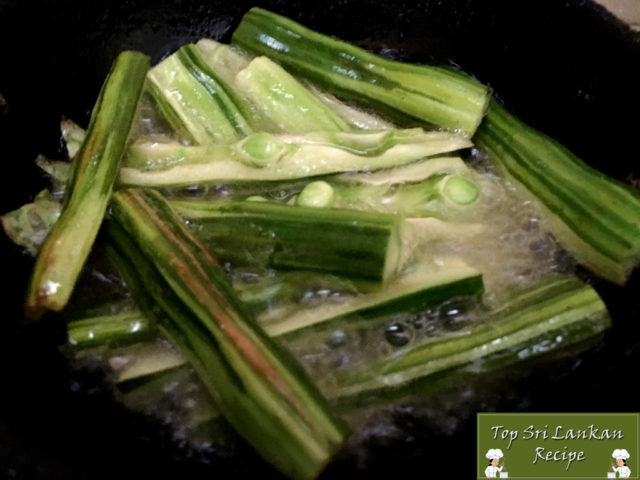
[(620, 453), (497, 453)]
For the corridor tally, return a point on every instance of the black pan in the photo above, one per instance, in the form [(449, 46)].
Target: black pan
[(568, 68)]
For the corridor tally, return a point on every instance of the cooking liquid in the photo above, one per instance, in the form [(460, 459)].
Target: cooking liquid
[(499, 235)]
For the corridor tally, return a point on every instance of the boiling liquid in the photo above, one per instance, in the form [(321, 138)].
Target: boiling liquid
[(499, 235)]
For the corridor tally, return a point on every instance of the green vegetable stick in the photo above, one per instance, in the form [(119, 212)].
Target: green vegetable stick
[(564, 309), (363, 245), (198, 104), (258, 387), (596, 218), (419, 93), (262, 157), (284, 100), (67, 246)]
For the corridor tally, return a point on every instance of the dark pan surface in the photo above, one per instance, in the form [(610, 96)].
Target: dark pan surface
[(568, 68)]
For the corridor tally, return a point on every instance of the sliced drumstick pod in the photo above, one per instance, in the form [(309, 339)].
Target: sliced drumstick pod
[(99, 330), (257, 386), (418, 93), (89, 188), (262, 157), (363, 245), (199, 105), (545, 316), (595, 217), (285, 101), (225, 60)]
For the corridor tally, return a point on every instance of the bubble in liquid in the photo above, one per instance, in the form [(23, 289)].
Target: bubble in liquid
[(337, 339), (195, 191), (397, 334), (454, 320), (417, 321)]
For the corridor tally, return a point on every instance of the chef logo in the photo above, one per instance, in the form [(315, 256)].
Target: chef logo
[(551, 446), (620, 468), (495, 468)]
